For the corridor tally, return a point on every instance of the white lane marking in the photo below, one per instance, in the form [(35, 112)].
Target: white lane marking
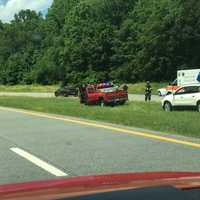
[(44, 165)]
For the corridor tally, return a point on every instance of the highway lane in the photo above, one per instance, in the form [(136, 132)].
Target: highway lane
[(82, 149)]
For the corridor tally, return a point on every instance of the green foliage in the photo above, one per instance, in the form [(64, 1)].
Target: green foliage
[(29, 88), (20, 43), (91, 40)]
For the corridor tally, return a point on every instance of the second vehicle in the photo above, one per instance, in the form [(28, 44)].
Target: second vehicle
[(66, 91), (184, 97)]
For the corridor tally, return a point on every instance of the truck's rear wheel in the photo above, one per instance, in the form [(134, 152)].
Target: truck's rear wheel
[(65, 95), (122, 102)]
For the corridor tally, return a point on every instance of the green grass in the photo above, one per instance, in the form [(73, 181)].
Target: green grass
[(137, 114), (137, 88), (28, 88)]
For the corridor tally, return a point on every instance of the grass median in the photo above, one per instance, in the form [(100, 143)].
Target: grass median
[(137, 88), (28, 88), (136, 114)]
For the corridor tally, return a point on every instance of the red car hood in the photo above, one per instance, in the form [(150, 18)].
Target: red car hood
[(54, 189)]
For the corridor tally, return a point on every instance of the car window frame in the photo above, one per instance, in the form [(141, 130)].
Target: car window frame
[(90, 90), (187, 92), (176, 93), (192, 92), (197, 91)]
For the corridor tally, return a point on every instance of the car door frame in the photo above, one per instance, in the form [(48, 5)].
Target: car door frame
[(194, 95), (178, 98), (187, 98)]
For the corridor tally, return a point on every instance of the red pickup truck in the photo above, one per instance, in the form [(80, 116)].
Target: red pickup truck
[(103, 94)]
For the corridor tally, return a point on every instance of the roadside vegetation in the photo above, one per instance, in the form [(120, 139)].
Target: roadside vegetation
[(88, 40), (137, 88), (28, 88), (136, 114)]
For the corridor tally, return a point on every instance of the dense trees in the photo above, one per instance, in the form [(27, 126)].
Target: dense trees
[(20, 42), (89, 40)]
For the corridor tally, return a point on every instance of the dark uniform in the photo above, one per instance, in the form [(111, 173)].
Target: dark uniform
[(125, 88), (148, 91), (82, 89)]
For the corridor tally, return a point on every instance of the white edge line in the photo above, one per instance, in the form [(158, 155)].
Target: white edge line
[(44, 165)]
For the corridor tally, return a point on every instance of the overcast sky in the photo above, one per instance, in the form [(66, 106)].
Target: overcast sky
[(10, 7)]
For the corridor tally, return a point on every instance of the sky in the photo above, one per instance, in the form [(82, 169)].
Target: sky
[(8, 8)]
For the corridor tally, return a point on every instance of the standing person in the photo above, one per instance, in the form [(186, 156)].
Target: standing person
[(148, 91), (125, 88), (82, 89)]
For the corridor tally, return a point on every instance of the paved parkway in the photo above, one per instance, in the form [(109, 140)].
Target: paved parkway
[(36, 146)]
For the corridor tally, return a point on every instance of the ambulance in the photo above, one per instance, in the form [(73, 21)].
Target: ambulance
[(184, 78)]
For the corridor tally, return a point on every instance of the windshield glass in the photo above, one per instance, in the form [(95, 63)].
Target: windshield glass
[(111, 89), (58, 61)]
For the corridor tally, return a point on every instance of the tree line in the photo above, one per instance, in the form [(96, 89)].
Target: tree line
[(93, 40)]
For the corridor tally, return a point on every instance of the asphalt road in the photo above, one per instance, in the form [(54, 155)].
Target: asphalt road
[(132, 97), (76, 147), (140, 97)]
